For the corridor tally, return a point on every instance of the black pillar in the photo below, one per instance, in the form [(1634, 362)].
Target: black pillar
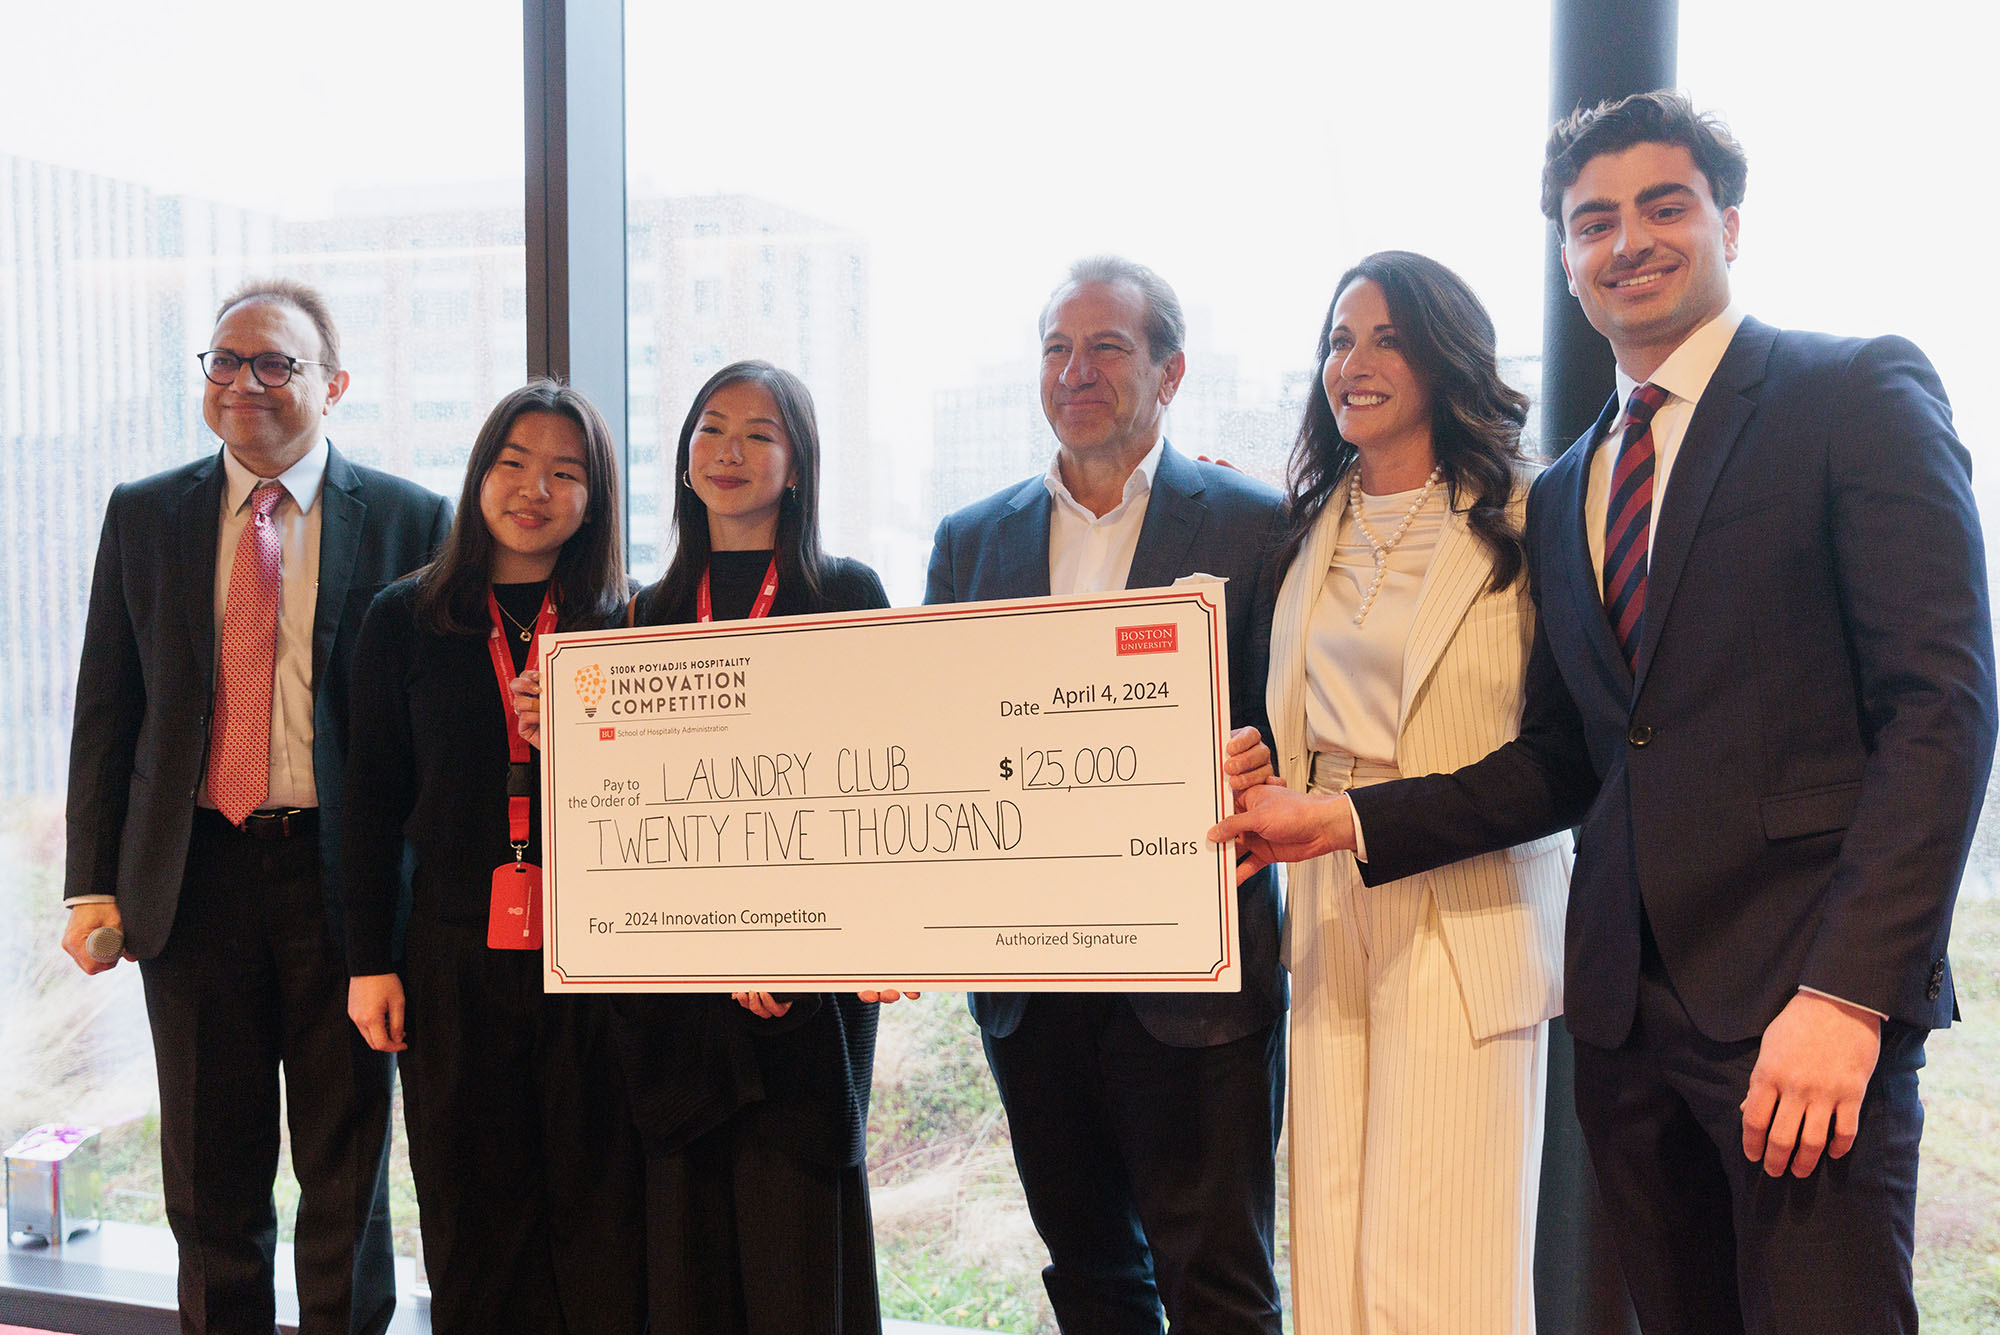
[(1599, 50), (574, 51)]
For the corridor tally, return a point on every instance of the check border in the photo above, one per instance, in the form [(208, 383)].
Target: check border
[(558, 719)]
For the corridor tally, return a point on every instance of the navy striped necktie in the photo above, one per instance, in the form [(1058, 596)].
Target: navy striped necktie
[(1628, 522)]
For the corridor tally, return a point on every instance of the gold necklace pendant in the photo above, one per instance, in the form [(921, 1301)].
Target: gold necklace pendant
[(527, 631)]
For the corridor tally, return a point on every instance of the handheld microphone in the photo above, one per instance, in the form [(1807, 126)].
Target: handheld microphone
[(104, 944)]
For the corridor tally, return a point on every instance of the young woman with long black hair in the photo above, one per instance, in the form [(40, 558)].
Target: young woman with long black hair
[(753, 1110), (526, 1167)]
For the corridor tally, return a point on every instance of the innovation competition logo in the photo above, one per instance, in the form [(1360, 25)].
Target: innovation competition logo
[(632, 691), (589, 685)]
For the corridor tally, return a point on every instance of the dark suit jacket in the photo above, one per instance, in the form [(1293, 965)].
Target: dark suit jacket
[(1200, 517), (147, 681), (1790, 784)]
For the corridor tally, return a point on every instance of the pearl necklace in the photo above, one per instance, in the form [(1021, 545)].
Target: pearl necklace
[(1380, 548)]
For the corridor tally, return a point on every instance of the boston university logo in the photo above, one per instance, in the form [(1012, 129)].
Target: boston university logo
[(1161, 639)]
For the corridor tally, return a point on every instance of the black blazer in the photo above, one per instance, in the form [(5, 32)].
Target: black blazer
[(1201, 517), (147, 680), (1790, 783)]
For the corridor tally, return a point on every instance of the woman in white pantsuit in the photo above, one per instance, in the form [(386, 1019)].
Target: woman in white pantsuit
[(1420, 1007)]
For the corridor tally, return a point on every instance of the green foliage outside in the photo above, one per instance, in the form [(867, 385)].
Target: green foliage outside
[(955, 1246), (1958, 1186)]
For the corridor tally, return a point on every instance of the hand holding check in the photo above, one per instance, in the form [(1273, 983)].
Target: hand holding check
[(1279, 825), (1246, 763), (1272, 822), (525, 693)]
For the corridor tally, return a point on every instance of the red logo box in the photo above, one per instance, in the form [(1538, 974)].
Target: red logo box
[(607, 734), (1161, 639)]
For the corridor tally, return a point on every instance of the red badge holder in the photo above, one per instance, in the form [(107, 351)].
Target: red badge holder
[(514, 916)]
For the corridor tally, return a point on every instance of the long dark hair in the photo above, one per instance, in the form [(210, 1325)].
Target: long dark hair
[(1476, 417), (801, 563), (590, 569)]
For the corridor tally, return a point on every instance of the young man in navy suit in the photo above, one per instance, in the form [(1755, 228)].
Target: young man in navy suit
[(204, 789), (1145, 1127), (1762, 682)]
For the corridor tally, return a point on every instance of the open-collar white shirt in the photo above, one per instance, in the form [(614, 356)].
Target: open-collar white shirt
[(1093, 553)]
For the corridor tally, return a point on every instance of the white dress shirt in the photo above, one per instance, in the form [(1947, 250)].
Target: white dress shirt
[(298, 521), (1684, 375), (1090, 553)]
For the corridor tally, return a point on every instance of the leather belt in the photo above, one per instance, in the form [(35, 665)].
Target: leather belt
[(273, 826)]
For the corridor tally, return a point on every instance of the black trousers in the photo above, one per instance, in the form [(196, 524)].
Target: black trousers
[(527, 1168), (1708, 1242), (745, 1236), (250, 983), (1150, 1170)]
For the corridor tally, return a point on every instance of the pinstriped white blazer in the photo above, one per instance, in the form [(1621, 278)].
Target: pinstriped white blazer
[(1501, 913)]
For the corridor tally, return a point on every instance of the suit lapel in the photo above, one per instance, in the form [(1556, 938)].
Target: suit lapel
[(1174, 515), (1458, 570), (1022, 545), (197, 522), (1573, 580), (339, 544), (1712, 433)]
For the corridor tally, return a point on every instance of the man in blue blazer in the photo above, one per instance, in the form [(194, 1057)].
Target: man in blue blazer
[(232, 917), (1763, 682), (1145, 1126)]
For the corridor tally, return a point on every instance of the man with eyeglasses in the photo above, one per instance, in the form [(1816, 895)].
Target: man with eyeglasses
[(204, 786)]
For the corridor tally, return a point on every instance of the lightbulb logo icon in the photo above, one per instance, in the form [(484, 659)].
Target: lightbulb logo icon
[(589, 683)]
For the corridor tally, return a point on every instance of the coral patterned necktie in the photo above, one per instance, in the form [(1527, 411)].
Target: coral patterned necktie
[(239, 749), (1628, 522)]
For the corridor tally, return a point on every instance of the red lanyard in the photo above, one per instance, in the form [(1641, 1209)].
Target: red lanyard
[(518, 779), (704, 609)]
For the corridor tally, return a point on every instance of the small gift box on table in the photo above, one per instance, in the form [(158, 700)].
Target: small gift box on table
[(55, 1186)]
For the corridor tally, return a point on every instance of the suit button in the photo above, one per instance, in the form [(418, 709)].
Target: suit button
[(1936, 989), (1639, 735)]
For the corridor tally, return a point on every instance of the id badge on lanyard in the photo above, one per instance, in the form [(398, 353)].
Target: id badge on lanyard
[(514, 915)]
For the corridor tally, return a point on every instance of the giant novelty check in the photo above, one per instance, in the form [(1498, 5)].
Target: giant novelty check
[(1004, 795)]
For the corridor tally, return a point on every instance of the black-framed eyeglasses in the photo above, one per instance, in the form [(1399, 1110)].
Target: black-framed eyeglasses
[(273, 370)]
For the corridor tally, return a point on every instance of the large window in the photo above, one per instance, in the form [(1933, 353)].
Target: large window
[(881, 199), (878, 197), (152, 156), (1865, 163)]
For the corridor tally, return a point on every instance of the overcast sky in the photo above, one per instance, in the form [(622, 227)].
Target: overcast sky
[(979, 149)]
